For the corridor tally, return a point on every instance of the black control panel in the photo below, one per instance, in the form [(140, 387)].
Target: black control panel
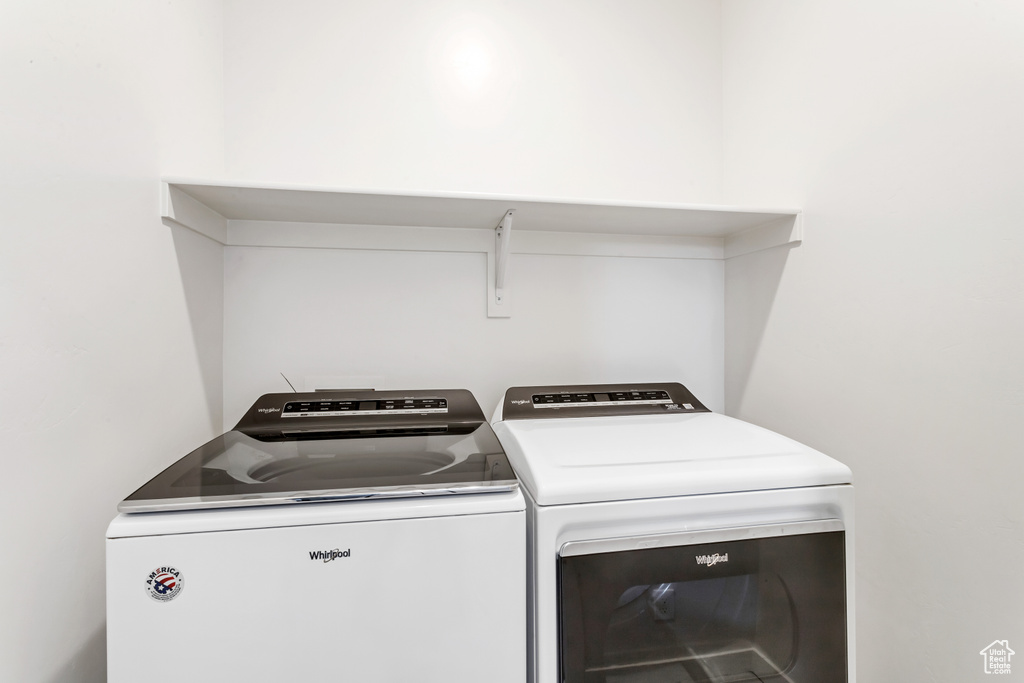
[(338, 412), (530, 403), (329, 408), (601, 399)]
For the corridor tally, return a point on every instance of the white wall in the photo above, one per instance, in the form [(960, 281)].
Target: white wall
[(110, 323), (400, 320), (578, 98), (893, 340), (573, 99)]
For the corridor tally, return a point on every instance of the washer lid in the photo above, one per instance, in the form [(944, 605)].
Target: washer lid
[(583, 460), (299, 448)]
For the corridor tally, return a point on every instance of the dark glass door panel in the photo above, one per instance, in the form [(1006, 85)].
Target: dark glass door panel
[(237, 468), (763, 609)]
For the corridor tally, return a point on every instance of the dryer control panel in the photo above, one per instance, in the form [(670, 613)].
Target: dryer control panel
[(531, 403)]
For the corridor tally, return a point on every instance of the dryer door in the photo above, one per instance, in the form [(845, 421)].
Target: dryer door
[(764, 603)]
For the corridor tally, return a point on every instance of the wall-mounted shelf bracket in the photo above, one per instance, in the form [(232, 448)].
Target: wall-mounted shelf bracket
[(502, 242)]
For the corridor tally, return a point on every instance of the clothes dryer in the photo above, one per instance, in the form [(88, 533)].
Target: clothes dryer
[(667, 543), (365, 536)]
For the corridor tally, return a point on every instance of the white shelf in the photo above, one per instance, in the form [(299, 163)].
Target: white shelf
[(244, 214)]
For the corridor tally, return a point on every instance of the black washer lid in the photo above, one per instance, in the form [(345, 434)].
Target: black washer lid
[(299, 448)]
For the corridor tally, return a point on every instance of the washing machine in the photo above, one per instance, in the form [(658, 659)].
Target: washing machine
[(356, 536), (668, 543)]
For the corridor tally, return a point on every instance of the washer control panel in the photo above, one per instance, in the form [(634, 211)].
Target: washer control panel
[(275, 416), (526, 403), (328, 408)]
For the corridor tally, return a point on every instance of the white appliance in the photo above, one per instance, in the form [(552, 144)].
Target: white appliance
[(369, 536), (670, 543)]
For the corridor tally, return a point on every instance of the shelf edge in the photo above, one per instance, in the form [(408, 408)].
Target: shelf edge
[(484, 196), (178, 207)]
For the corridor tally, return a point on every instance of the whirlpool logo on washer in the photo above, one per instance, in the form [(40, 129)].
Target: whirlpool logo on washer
[(330, 555), (712, 560), (520, 401), (164, 584)]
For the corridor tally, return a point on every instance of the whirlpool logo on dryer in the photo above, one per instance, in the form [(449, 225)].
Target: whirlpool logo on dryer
[(711, 560), (330, 555)]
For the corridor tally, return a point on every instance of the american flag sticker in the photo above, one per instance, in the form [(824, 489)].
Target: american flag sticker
[(164, 584)]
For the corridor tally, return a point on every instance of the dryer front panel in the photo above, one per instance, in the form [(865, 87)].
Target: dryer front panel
[(765, 603)]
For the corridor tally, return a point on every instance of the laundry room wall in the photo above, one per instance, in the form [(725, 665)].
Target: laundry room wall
[(891, 338), (110, 322), (395, 320), (579, 99)]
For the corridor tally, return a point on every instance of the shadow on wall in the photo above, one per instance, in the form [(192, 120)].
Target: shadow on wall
[(201, 264), (88, 664), (751, 283)]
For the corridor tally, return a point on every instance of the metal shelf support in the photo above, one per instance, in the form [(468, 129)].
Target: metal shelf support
[(501, 307), (502, 239)]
